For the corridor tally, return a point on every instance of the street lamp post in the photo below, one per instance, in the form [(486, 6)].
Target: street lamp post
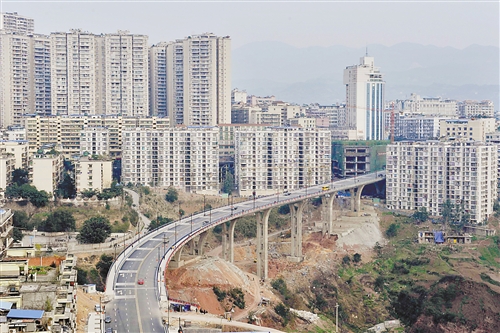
[(253, 199), (204, 205), (210, 214), (192, 222)]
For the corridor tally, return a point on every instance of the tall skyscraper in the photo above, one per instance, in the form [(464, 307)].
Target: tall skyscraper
[(158, 80), (199, 80), (103, 74), (15, 23), (24, 70), (365, 99), (73, 72), (123, 71)]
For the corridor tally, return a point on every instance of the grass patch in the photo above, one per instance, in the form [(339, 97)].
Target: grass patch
[(490, 254), (485, 277)]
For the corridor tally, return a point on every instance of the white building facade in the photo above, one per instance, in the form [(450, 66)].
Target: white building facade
[(427, 174), (470, 109), (280, 159), (365, 91), (93, 174), (199, 80), (183, 157)]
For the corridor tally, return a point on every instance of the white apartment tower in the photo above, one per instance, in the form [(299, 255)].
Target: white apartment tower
[(123, 67), (99, 74), (14, 78), (182, 157), (199, 80), (427, 174), (365, 99), (280, 159), (158, 80), (73, 68), (15, 23)]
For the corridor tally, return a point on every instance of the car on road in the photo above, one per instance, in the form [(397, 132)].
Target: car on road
[(140, 281), (107, 319), (234, 208), (206, 222), (287, 193), (109, 330), (97, 308)]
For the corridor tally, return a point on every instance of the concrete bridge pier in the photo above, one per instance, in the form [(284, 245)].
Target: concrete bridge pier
[(262, 243), (296, 210), (201, 240), (356, 198), (176, 261), (327, 202), (228, 241), (191, 245)]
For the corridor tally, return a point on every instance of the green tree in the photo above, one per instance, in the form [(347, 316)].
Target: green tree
[(20, 177), (447, 211), (159, 222), (392, 231), (346, 260), (88, 193), (228, 185), (66, 188), (421, 215), (20, 219), (95, 230), (284, 312), (172, 195), (59, 220), (103, 266), (39, 198), (283, 210), (17, 234), (356, 257)]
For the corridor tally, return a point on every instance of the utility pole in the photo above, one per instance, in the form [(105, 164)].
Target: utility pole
[(192, 222)]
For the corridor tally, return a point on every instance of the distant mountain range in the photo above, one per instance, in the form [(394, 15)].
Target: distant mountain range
[(314, 74)]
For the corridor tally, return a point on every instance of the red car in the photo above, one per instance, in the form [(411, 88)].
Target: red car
[(140, 281)]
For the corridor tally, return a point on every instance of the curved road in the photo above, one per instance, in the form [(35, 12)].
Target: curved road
[(135, 308)]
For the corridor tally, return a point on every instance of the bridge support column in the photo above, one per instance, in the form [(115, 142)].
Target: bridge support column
[(228, 241), (356, 198), (296, 211), (262, 243), (191, 246), (201, 240), (328, 220), (176, 261)]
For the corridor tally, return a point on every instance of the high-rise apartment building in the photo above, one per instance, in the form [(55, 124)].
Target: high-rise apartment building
[(15, 23), (182, 157), (24, 70), (365, 89), (158, 80), (280, 159), (427, 174), (99, 74), (73, 73), (199, 80), (122, 66), (14, 78)]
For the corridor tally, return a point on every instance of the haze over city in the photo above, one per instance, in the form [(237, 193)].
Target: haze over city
[(300, 24)]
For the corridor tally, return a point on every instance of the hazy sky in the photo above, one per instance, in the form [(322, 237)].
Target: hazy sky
[(298, 23)]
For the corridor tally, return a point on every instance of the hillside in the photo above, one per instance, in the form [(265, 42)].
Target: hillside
[(443, 288)]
